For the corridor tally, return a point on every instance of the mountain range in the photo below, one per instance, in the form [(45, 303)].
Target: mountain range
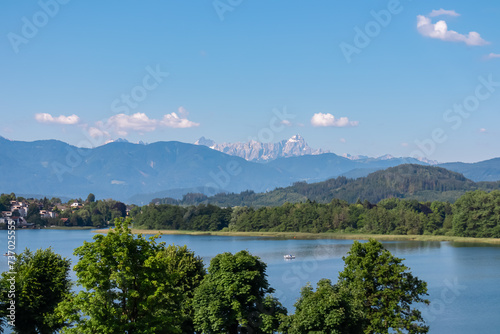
[(137, 173)]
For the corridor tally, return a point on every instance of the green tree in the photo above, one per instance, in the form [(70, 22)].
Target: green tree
[(386, 288), (231, 298), (328, 310), (129, 285), (273, 315), (90, 198), (41, 281), (477, 214), (189, 271), (33, 214)]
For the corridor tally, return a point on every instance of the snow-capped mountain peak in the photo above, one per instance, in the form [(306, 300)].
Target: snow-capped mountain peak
[(257, 151)]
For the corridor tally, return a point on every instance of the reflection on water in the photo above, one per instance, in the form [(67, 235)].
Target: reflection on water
[(462, 277)]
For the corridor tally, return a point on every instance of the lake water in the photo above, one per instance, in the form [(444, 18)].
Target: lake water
[(463, 279)]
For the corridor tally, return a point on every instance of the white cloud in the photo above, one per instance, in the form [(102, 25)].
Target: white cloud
[(174, 121), (122, 124), (48, 118), (328, 119), (493, 56), (439, 12), (342, 140), (404, 144), (482, 130), (439, 30), (97, 133), (286, 122)]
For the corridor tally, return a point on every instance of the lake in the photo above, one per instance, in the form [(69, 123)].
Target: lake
[(463, 279)]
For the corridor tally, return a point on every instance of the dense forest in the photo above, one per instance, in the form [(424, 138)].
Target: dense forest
[(475, 214), (423, 183)]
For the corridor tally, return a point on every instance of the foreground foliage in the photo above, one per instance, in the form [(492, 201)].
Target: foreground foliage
[(385, 288), (41, 282), (375, 293), (131, 285), (232, 297), (330, 309)]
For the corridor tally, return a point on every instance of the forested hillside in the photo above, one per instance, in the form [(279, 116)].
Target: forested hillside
[(424, 183)]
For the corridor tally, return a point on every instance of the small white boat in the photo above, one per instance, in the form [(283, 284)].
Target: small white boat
[(289, 257)]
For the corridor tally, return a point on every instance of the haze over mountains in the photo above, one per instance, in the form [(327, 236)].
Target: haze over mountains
[(140, 172)]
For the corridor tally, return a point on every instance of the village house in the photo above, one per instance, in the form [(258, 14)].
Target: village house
[(76, 205), (23, 211), (47, 214), (61, 207)]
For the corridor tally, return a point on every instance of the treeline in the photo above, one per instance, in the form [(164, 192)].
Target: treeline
[(175, 217), (475, 214), (423, 183), (130, 284), (92, 213)]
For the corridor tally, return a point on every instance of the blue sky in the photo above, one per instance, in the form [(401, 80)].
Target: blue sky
[(419, 82)]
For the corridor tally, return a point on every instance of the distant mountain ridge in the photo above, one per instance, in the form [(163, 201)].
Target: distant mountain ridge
[(488, 170), (261, 152), (138, 173), (296, 146)]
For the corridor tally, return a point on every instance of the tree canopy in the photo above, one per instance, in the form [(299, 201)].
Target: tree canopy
[(328, 310), (131, 285), (41, 282), (231, 298), (386, 289)]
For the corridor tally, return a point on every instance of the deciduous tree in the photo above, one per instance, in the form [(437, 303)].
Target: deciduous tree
[(386, 289), (41, 282), (131, 285), (328, 310), (231, 298)]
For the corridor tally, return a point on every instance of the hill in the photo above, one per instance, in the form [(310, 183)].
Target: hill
[(488, 170), (425, 183)]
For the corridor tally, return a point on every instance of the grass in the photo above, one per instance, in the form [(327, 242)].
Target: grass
[(303, 235), (69, 228)]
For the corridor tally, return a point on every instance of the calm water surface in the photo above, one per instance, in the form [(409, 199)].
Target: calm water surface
[(463, 279)]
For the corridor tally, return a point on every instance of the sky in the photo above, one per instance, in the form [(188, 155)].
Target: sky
[(407, 78)]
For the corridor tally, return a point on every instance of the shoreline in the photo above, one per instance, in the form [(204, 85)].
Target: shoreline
[(326, 235)]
